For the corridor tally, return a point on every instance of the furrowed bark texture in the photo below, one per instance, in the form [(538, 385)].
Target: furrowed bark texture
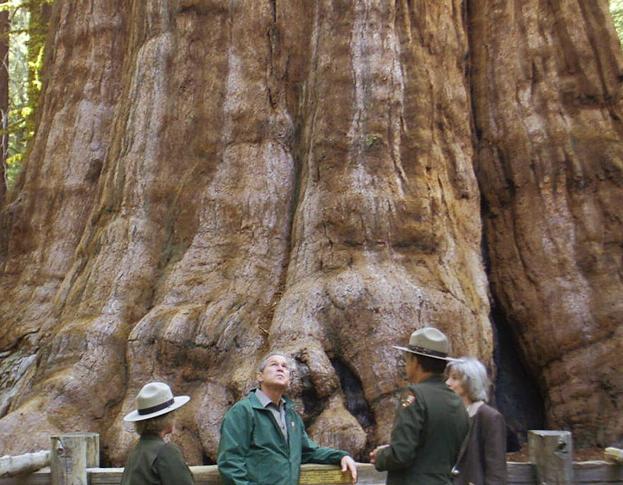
[(547, 102), (213, 180), (44, 221)]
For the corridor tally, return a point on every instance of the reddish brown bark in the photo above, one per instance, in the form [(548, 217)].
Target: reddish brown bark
[(547, 97), (217, 179)]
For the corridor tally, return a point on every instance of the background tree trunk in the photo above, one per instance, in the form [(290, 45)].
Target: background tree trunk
[(38, 25), (547, 105), (212, 180), (4, 96)]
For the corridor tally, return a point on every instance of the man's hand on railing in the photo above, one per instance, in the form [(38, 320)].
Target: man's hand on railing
[(348, 464)]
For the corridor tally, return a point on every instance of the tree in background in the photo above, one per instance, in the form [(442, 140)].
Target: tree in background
[(38, 20), (616, 9), (23, 32), (4, 94)]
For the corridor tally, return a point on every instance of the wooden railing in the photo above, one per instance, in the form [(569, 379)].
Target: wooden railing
[(588, 472), (74, 460)]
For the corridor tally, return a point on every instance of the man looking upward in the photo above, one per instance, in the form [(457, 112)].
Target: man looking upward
[(263, 440)]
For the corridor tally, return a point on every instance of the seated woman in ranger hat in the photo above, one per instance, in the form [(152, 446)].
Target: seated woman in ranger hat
[(152, 461)]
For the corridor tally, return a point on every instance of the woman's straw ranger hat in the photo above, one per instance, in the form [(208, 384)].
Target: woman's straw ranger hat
[(155, 399)]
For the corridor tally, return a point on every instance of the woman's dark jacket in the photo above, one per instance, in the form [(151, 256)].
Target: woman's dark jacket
[(484, 461), (154, 462)]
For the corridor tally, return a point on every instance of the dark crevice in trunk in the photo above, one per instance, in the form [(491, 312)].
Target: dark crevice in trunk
[(517, 394), (353, 392), (312, 403), (206, 460)]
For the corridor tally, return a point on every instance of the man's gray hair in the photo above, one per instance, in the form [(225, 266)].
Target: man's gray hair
[(473, 376), (264, 361)]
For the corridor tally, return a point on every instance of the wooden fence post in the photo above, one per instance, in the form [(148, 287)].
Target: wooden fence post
[(552, 454), (70, 456)]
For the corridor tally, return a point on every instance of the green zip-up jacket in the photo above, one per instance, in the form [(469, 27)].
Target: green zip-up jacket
[(427, 436), (154, 462), (254, 451)]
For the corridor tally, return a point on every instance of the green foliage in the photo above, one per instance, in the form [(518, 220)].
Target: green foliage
[(616, 9), (18, 97), (372, 139), (37, 30), (28, 29)]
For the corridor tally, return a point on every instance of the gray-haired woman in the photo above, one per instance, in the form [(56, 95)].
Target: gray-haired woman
[(484, 459)]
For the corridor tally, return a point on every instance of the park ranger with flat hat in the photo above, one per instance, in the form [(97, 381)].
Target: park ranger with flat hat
[(153, 461), (430, 424)]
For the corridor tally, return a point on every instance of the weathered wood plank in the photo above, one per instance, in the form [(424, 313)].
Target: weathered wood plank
[(208, 475), (518, 474), (68, 461), (598, 472), (23, 464), (41, 477), (369, 476), (592, 472), (521, 473), (105, 476), (551, 452), (320, 476), (71, 454)]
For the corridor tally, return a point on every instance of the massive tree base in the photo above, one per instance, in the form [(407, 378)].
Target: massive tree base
[(213, 180)]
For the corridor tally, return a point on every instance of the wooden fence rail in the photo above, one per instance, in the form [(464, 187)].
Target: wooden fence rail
[(22, 464), (71, 453), (589, 472)]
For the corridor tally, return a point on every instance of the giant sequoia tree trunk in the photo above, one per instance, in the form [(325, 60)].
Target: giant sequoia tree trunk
[(547, 105), (211, 180)]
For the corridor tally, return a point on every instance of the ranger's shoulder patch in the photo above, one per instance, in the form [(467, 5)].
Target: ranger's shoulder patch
[(408, 400)]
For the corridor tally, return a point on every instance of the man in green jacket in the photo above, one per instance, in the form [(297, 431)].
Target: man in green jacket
[(263, 440), (431, 423)]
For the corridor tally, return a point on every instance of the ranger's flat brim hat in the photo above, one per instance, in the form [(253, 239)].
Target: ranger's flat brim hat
[(155, 399), (429, 342)]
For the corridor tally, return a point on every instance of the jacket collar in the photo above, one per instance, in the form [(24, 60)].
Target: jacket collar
[(150, 437), (265, 400), (257, 404), (472, 409), (433, 379)]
